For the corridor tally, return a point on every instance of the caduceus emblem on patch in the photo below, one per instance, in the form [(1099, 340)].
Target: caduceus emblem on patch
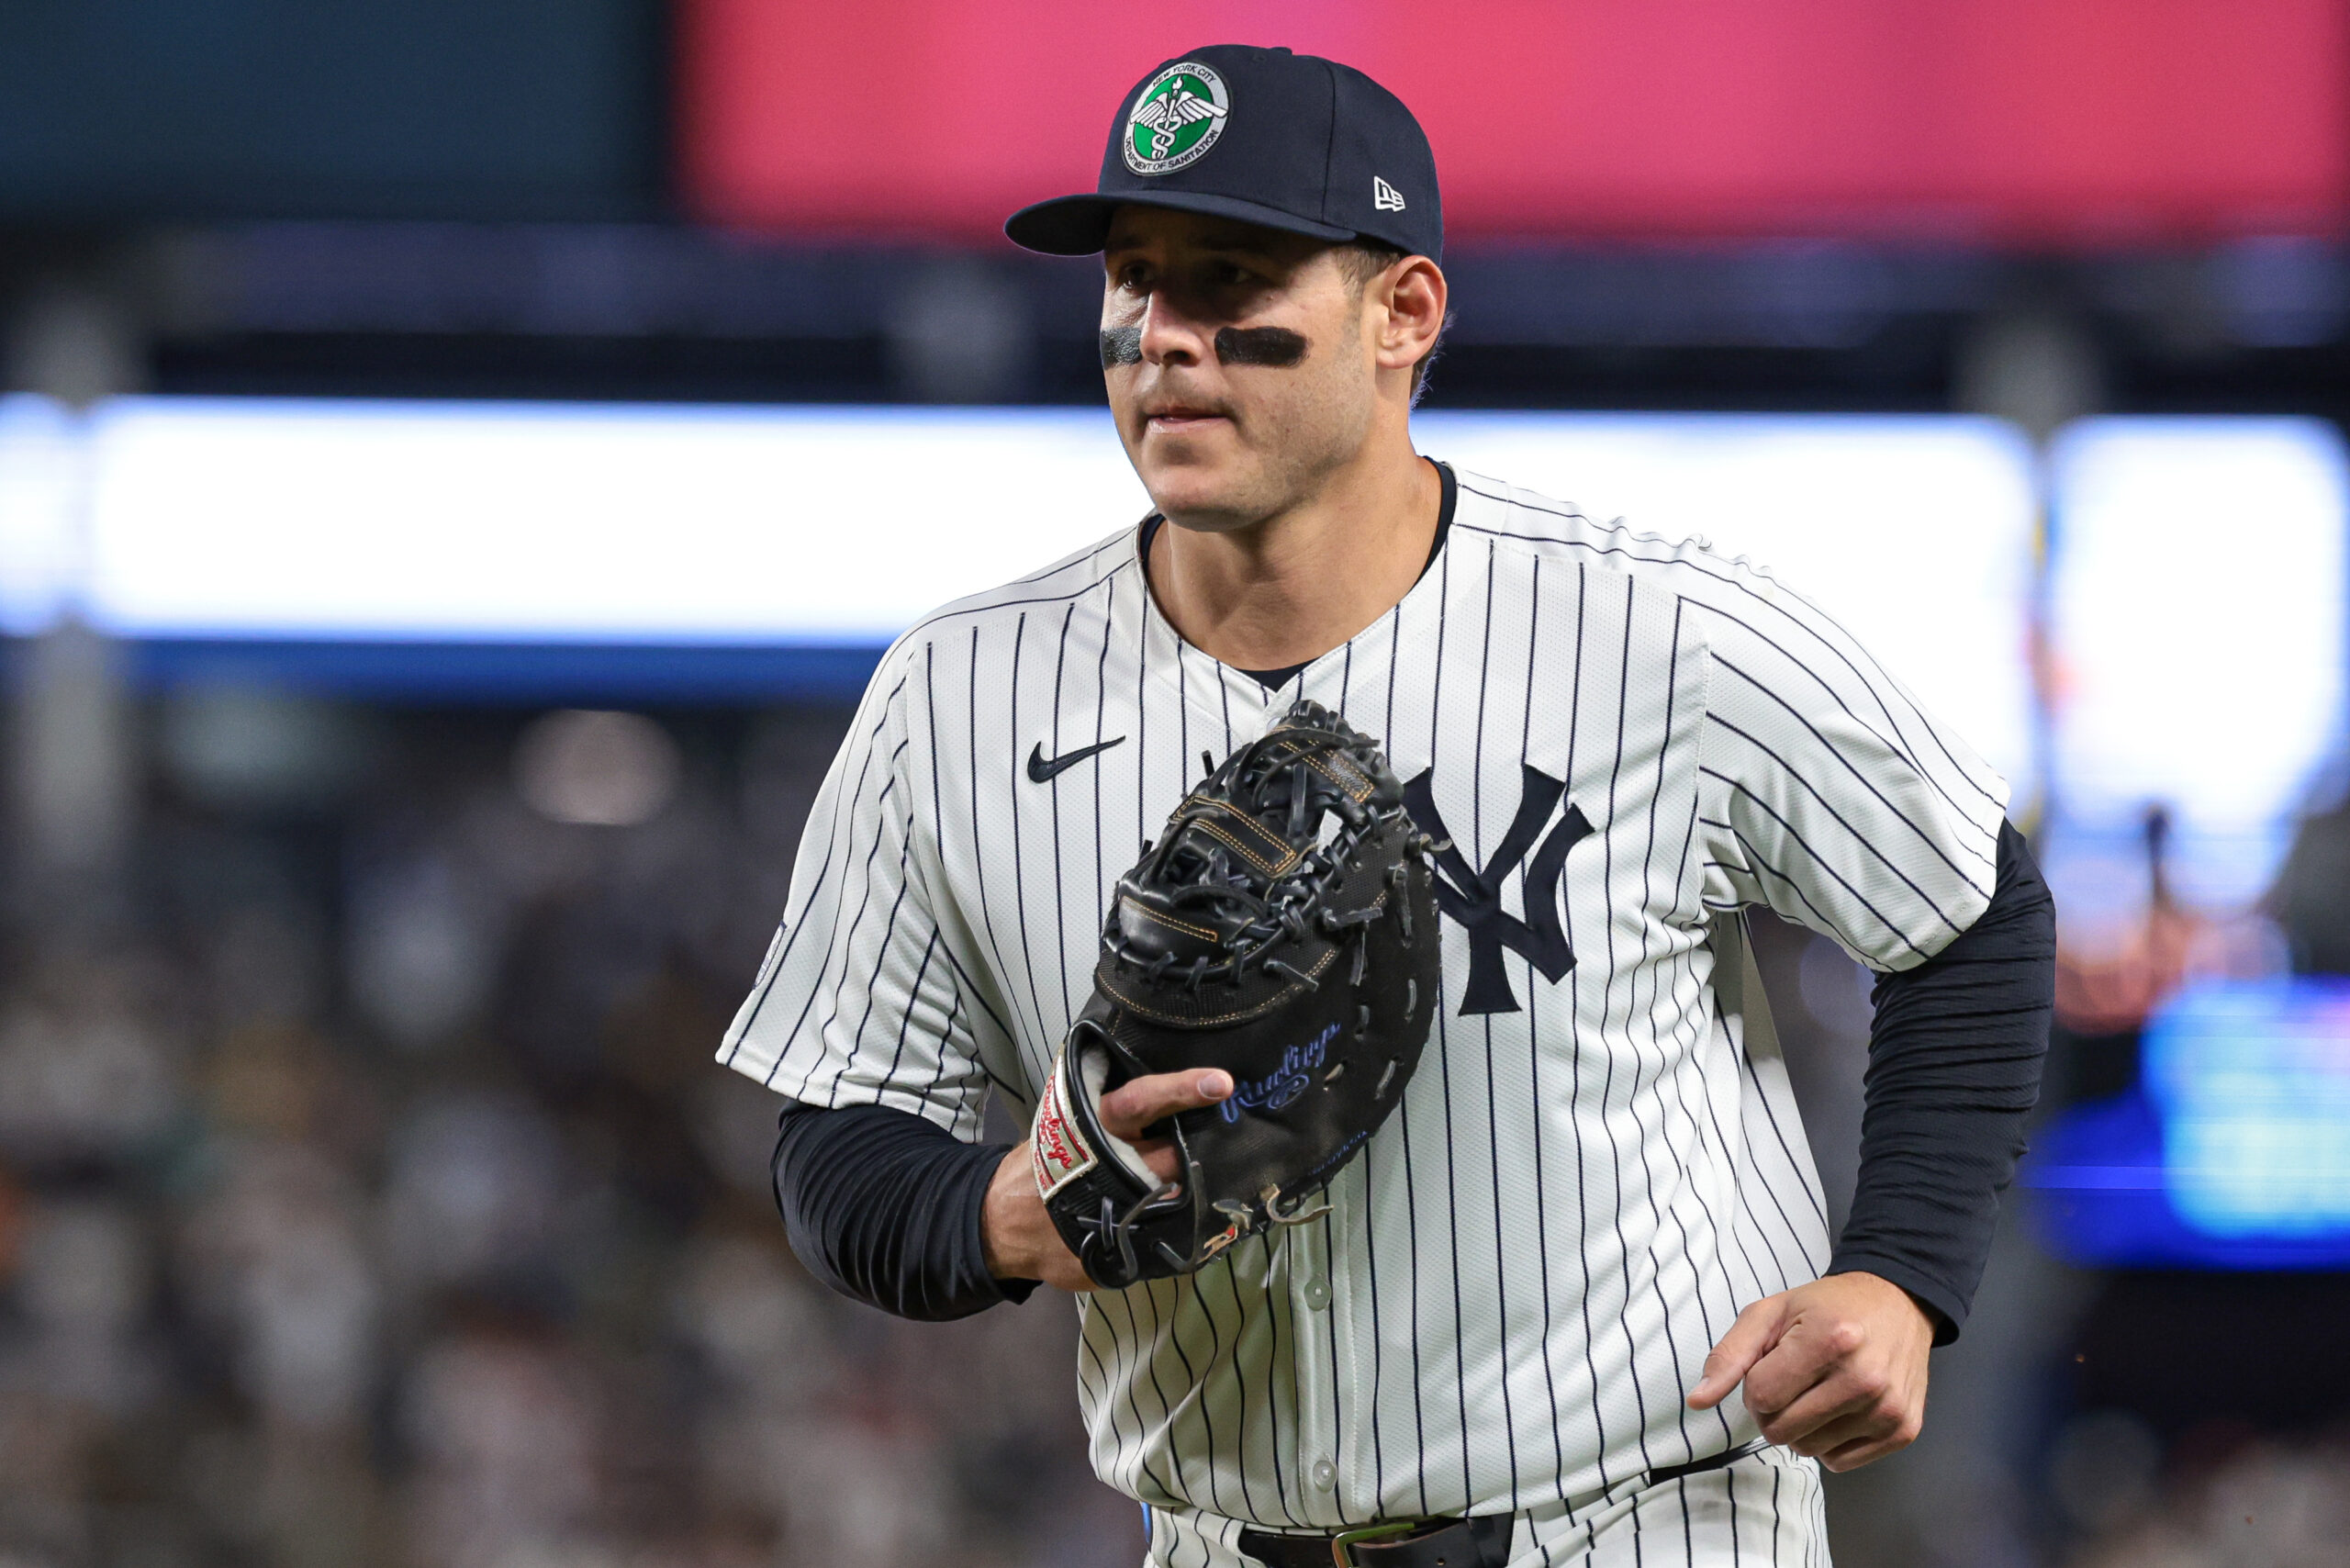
[(1176, 118)]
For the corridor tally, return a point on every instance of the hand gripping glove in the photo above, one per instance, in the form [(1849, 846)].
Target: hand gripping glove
[(1283, 927)]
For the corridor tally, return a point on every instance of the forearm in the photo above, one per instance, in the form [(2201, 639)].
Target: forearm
[(1955, 1062), (885, 1207)]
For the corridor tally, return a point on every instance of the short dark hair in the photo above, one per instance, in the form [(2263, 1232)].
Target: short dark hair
[(1362, 259)]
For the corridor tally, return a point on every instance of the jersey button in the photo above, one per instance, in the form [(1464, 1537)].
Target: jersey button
[(1318, 1295), (1325, 1474)]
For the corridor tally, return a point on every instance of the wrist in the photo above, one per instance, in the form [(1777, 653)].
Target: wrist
[(1889, 1290), (1007, 1242), (1924, 1292)]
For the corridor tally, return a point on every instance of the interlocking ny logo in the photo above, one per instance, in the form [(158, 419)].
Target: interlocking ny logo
[(1474, 898)]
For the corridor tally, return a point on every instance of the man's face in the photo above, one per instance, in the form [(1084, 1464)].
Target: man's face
[(1235, 363)]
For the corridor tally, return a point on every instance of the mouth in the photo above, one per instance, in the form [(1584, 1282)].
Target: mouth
[(1180, 419)]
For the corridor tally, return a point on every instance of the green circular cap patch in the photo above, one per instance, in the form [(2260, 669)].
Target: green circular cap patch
[(1176, 118)]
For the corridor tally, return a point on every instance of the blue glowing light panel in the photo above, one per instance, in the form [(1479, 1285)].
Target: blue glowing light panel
[(2234, 1149), (2253, 1081)]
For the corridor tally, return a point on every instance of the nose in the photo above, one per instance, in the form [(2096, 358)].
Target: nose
[(1171, 335)]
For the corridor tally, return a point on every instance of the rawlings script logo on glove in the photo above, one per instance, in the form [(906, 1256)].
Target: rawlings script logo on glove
[(1285, 1086)]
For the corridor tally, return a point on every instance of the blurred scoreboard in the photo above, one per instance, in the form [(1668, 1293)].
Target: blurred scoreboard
[(2034, 122), (2232, 1152), (2095, 123)]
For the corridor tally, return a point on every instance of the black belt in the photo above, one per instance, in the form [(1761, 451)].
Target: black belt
[(1480, 1542), (1429, 1544)]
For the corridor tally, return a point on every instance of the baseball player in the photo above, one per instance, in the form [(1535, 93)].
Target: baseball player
[(1575, 1299)]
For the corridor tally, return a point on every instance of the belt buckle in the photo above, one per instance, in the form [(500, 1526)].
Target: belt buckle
[(1342, 1545)]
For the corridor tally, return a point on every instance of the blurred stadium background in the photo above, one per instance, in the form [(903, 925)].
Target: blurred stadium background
[(462, 459)]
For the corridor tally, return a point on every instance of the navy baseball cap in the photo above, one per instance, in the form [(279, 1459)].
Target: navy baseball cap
[(1292, 141)]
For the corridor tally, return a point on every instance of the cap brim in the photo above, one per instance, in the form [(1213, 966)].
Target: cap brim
[(1079, 225)]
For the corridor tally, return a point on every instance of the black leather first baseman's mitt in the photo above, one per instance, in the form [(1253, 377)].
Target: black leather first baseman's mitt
[(1283, 928)]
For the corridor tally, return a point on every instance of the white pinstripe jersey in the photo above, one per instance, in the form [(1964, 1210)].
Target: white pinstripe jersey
[(1589, 1175)]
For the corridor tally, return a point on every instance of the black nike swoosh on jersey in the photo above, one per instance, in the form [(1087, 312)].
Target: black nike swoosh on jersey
[(1041, 770)]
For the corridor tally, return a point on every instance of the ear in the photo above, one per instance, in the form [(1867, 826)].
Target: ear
[(1410, 299)]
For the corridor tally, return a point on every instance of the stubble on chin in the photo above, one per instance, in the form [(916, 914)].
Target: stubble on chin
[(1211, 496)]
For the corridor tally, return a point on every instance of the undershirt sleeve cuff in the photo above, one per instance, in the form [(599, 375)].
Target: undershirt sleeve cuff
[(885, 1206)]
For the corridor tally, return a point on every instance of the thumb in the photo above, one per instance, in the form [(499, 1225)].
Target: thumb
[(1139, 1102), (1748, 1340)]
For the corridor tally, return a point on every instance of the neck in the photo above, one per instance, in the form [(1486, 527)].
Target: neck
[(1297, 583)]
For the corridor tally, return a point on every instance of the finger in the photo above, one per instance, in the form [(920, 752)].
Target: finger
[(1807, 1356), (1161, 1156), (1839, 1394), (1856, 1431), (1813, 1431), (1864, 1438), (1852, 1456), (1133, 1105), (1749, 1338)]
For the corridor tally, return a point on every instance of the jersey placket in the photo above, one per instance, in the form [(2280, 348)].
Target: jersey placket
[(1321, 1445), (1341, 1320)]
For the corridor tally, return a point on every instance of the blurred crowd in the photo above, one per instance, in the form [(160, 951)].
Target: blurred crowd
[(2254, 1504), (368, 1194)]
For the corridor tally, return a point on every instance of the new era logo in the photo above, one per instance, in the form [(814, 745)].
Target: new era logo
[(1385, 198)]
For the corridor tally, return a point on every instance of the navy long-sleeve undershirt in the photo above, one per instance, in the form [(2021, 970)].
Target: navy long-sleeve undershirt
[(885, 1206), (1955, 1048)]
